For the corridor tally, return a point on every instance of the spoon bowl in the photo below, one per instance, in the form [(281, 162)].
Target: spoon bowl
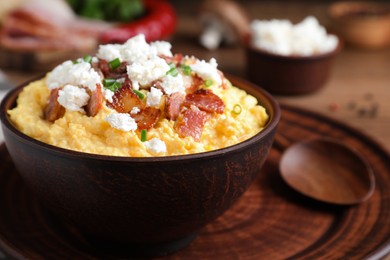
[(327, 170)]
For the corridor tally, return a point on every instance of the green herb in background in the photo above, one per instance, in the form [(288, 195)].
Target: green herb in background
[(109, 10)]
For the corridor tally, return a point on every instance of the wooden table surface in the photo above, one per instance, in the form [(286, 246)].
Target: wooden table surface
[(357, 93)]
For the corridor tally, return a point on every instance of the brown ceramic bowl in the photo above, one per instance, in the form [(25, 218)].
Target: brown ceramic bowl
[(288, 75), (361, 24), (154, 206)]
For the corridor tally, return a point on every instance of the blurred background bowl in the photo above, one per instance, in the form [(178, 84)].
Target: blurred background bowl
[(288, 75), (361, 24), (154, 206)]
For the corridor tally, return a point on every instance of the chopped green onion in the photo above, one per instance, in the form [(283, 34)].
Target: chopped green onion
[(173, 72), (108, 82), (88, 58), (208, 83), (111, 84), (237, 109), (75, 62), (115, 63), (143, 135), (114, 86), (139, 94), (186, 70)]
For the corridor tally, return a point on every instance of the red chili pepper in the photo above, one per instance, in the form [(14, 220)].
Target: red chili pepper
[(158, 23)]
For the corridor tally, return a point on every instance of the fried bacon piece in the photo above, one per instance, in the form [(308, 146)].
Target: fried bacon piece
[(173, 105), (53, 109), (176, 59), (95, 102), (191, 122), (196, 84), (205, 100), (96, 67), (125, 99), (108, 72), (147, 117)]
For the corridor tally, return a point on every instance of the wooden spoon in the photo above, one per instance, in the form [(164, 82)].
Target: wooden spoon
[(326, 170)]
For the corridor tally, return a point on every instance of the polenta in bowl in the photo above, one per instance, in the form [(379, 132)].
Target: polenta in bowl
[(136, 146), (137, 100)]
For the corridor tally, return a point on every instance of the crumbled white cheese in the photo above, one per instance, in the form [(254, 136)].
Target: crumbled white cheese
[(172, 84), (79, 74), (154, 97), (135, 84), (108, 94), (161, 48), (207, 71), (73, 98), (121, 121), (155, 145), (213, 62), (135, 110), (109, 52), (136, 49), (145, 72), (282, 37)]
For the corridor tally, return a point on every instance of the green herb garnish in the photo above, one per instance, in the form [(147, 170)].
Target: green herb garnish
[(237, 109), (143, 135), (208, 83), (172, 71), (108, 82), (115, 63), (139, 94), (186, 70), (88, 58), (111, 84), (114, 87)]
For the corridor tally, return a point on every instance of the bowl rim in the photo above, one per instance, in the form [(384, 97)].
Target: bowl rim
[(274, 118)]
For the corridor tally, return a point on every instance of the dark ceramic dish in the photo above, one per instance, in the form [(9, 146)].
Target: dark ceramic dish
[(362, 24), (154, 206), (288, 75)]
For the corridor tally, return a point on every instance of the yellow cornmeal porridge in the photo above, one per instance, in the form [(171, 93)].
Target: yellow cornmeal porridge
[(76, 131), (137, 99)]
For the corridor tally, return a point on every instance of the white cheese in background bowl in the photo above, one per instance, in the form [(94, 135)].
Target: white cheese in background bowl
[(290, 59), (282, 37)]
